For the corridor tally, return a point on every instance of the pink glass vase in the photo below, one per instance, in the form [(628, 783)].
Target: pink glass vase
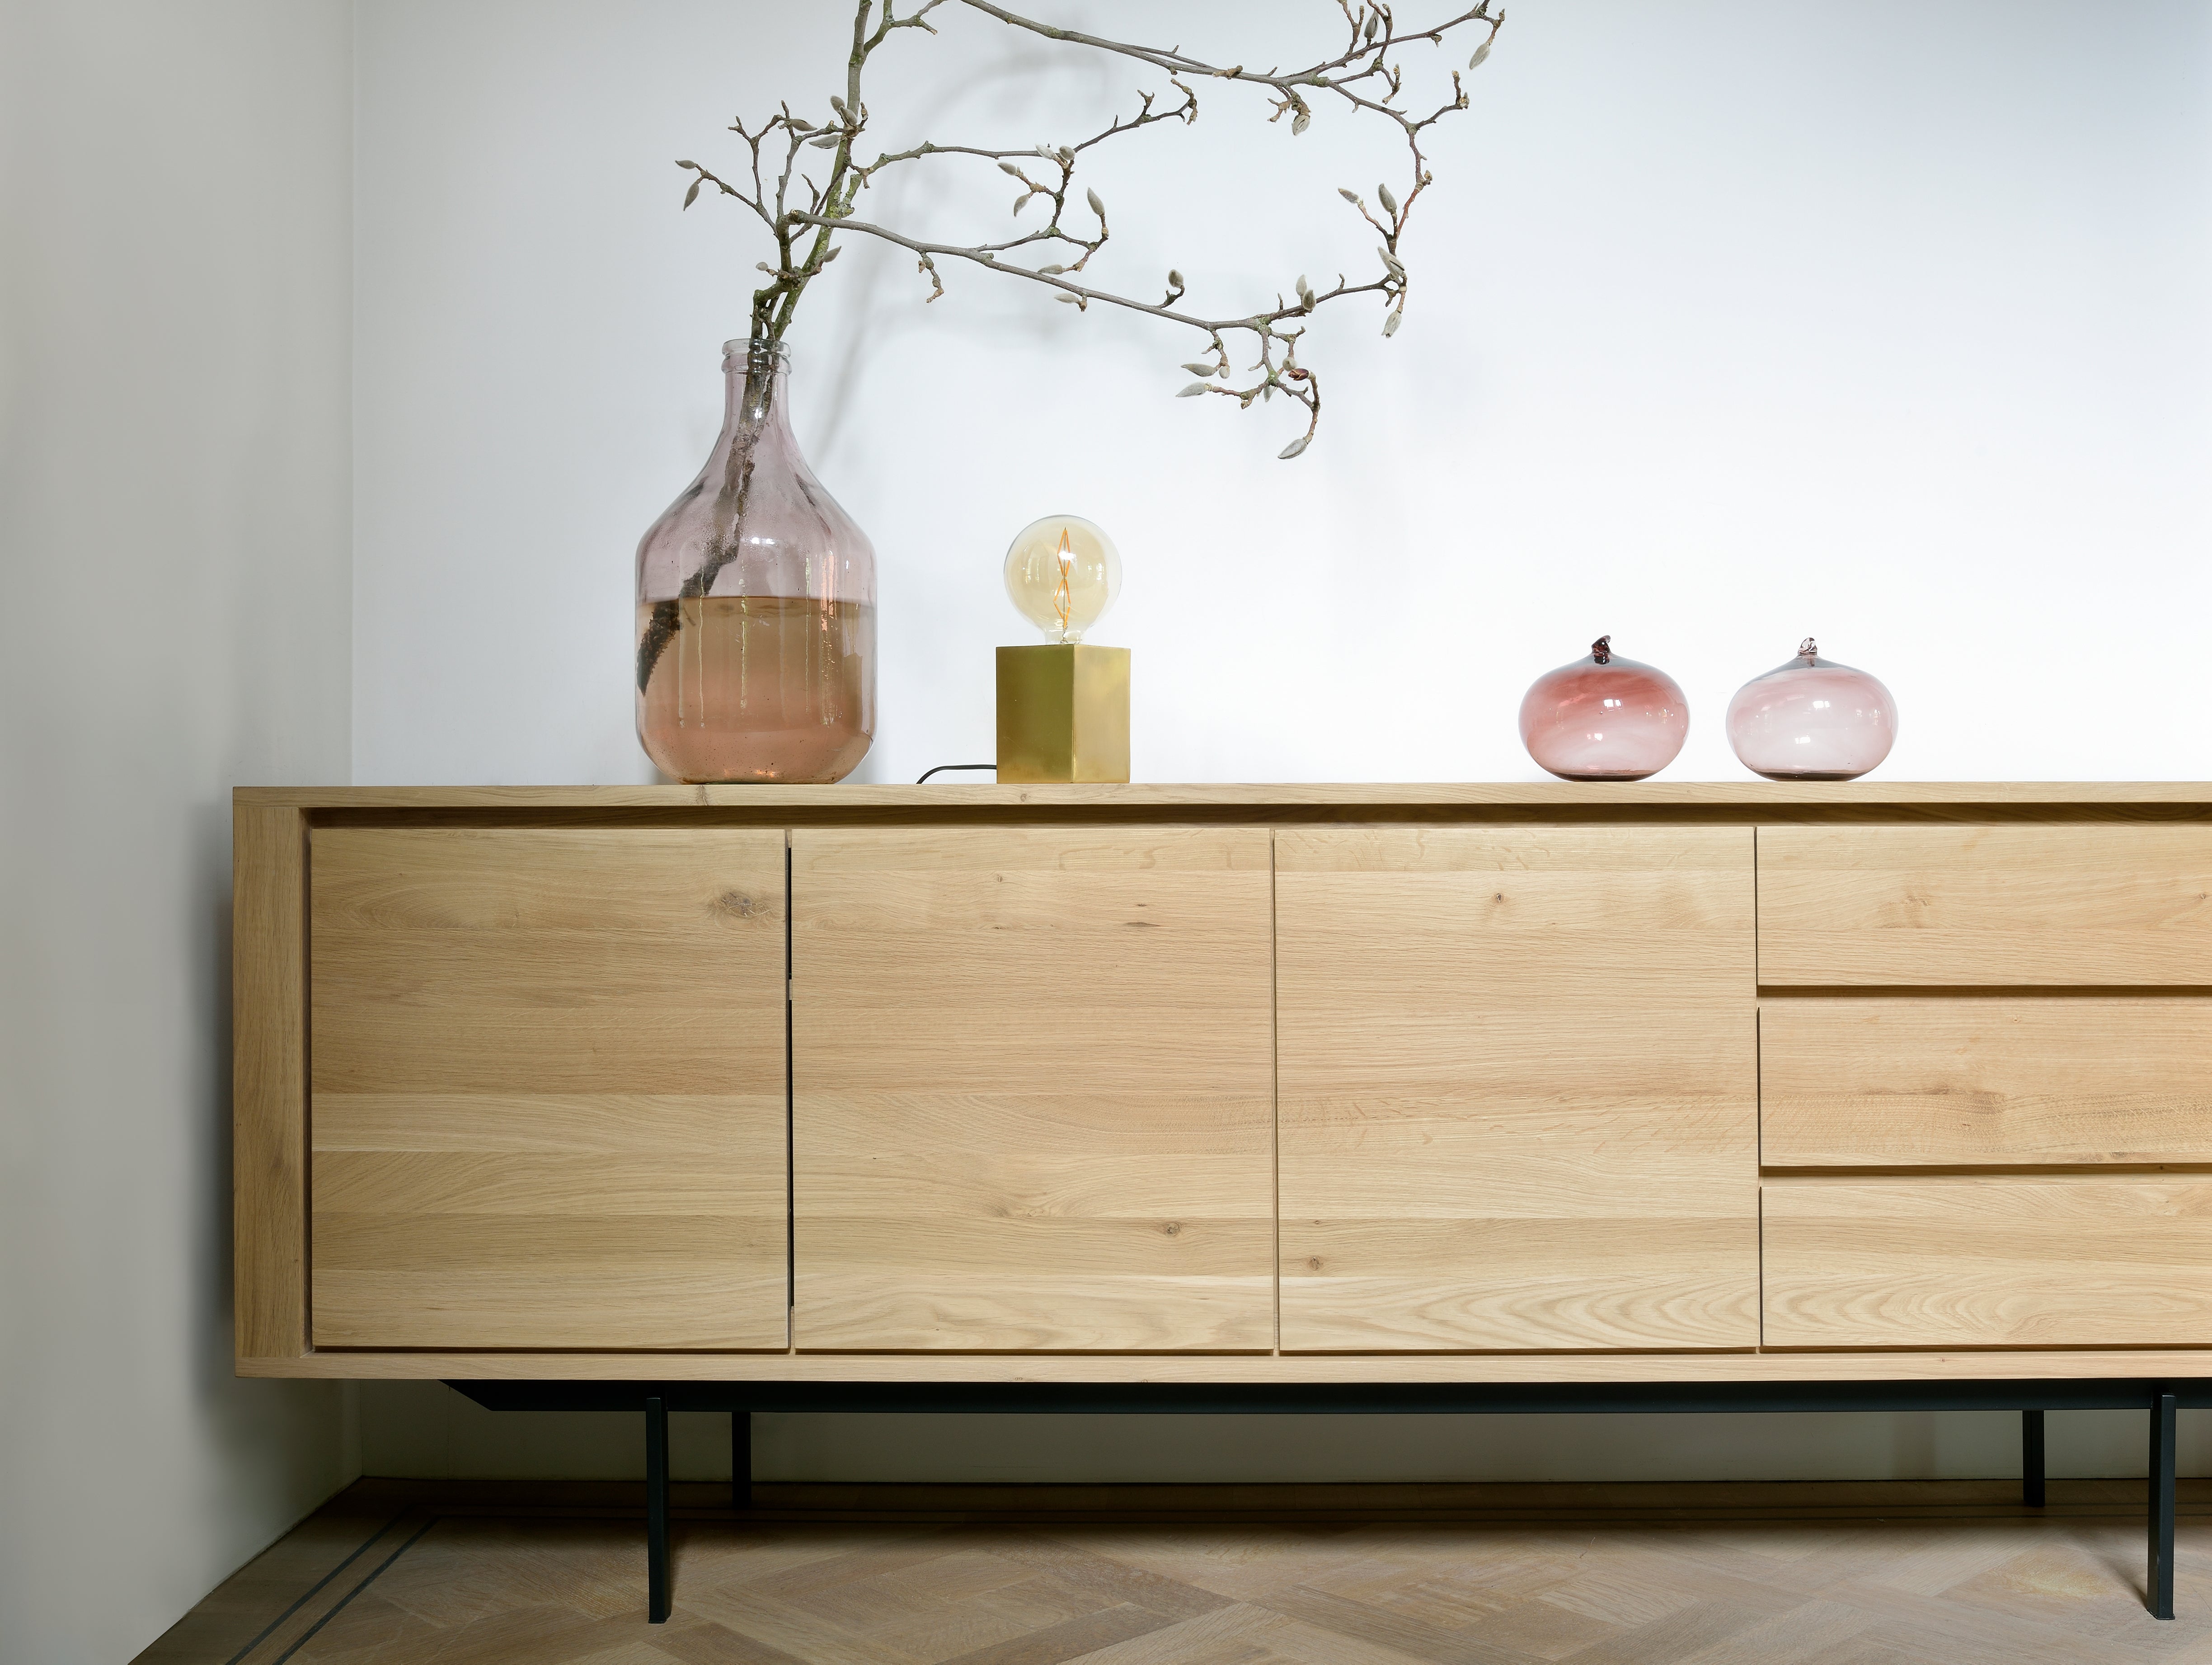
[(1604, 718), (1812, 719), (755, 605)]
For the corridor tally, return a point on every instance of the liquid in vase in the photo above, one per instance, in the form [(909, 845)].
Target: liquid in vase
[(761, 688)]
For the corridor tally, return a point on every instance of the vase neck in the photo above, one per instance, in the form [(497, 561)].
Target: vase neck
[(754, 375)]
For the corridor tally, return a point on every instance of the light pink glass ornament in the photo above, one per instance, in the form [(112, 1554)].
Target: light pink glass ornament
[(1812, 719), (1604, 718)]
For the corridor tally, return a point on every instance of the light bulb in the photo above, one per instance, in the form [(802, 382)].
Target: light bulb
[(1063, 573)]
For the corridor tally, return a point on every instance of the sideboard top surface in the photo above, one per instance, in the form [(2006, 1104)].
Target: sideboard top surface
[(1753, 797)]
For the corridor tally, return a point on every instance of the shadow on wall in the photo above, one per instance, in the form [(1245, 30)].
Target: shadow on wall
[(879, 301)]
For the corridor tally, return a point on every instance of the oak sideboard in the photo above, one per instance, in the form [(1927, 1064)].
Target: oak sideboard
[(1756, 1083)]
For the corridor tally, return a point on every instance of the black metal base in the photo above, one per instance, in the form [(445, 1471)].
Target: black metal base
[(741, 1398), (741, 1458), (659, 1592), (2162, 1408)]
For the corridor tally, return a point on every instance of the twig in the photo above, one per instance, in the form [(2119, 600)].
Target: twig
[(1366, 77)]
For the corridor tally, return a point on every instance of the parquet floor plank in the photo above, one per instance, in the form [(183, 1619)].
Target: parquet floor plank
[(1680, 1635), (1038, 1602), (1860, 1651), (1416, 1637), (762, 1619), (375, 1630), (1071, 1638), (708, 1643), (940, 1633), (1801, 1557), (1263, 1636), (1807, 1630), (1236, 1562), (1073, 1564), (1537, 1630), (1921, 1575), (1626, 1596), (1968, 1635), (957, 1575)]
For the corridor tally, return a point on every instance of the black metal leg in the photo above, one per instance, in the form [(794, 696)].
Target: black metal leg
[(2031, 1458), (656, 1511), (741, 1458), (2161, 1506)]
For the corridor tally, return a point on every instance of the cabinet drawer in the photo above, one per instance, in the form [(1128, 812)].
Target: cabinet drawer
[(1984, 1082), (2049, 904), (2054, 1262)]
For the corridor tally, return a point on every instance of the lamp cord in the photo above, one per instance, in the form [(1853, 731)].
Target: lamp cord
[(941, 767)]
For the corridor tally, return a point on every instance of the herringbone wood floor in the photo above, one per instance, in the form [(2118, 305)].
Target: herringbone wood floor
[(1954, 1573)]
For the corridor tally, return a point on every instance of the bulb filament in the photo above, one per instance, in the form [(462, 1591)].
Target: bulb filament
[(1063, 601)]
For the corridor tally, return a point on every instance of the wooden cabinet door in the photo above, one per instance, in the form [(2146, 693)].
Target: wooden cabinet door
[(1517, 1080), (549, 1081), (1032, 1097)]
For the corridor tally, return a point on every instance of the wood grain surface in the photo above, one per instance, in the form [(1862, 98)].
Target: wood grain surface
[(1283, 1370), (1037, 1068), (1628, 796), (2057, 1260), (1940, 1081), (269, 1081), (549, 1088), (1517, 1088), (1031, 1079), (1999, 905)]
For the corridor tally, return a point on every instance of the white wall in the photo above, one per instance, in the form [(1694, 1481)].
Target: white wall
[(1735, 322), (174, 295)]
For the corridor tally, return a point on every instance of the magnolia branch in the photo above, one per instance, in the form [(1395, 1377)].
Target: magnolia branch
[(1366, 77)]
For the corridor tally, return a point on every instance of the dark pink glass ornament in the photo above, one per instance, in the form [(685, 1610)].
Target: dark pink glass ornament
[(1812, 719), (1604, 718)]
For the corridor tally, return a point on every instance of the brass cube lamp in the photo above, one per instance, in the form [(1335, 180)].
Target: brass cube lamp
[(1063, 705)]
